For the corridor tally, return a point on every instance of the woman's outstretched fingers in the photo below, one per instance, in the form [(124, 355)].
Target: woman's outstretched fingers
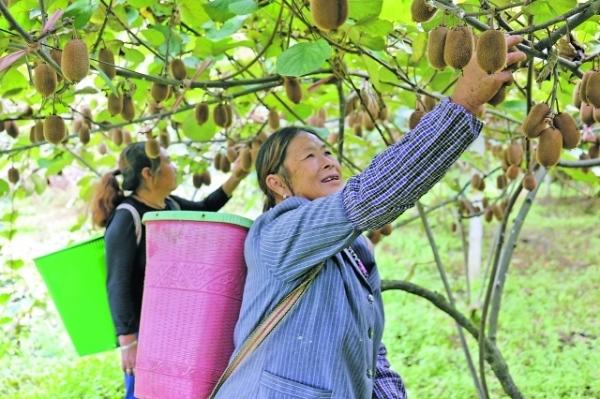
[(512, 41), (515, 57)]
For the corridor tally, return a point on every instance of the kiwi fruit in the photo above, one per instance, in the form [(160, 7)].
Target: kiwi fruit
[(116, 135), (586, 112), (513, 172), (201, 113), (592, 89), (514, 154), (374, 236), (178, 69), (435, 47), (384, 113), (13, 175), (254, 148), (224, 165), (159, 91), (386, 230), (206, 178), (152, 148), (428, 102), (261, 138), (499, 97), (568, 128), (44, 79), (420, 11), (84, 134), (583, 86), (12, 129), (367, 122), (329, 14), (107, 62), (292, 89), (488, 214), (501, 182), (1, 126), (577, 96), (75, 62), (594, 151), (246, 159), (458, 47), (222, 115), (102, 149), (56, 55), (548, 151), (115, 104), (529, 182), (491, 51), (39, 131), (127, 137), (197, 180), (596, 114), (537, 130), (231, 154), (498, 212), (128, 111), (164, 139), (358, 130), (476, 181), (536, 115), (217, 160), (332, 138), (414, 119), (273, 119), (32, 135), (54, 129)]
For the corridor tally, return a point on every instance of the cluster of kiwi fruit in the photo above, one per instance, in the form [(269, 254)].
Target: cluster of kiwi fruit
[(329, 14), (362, 116), (376, 235), (161, 91), (245, 153), (586, 97), (222, 114), (198, 179), (424, 104), (450, 47), (555, 132)]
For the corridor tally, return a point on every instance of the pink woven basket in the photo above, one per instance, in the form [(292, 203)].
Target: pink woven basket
[(195, 275)]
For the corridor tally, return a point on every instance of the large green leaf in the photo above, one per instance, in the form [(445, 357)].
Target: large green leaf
[(364, 9), (303, 58), (218, 10)]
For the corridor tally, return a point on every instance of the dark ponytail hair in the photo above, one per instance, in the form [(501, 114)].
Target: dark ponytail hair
[(108, 193), (271, 156)]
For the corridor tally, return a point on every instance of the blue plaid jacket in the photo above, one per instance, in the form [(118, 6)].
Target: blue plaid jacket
[(329, 346)]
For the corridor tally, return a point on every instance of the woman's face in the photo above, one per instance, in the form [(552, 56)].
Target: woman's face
[(313, 172)]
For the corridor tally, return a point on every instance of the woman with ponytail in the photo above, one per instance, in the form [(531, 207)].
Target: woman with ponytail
[(149, 183)]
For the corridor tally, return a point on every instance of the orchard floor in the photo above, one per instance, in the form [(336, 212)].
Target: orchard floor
[(548, 331)]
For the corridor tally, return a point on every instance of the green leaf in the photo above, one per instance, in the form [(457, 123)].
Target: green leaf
[(243, 7), (218, 10), (81, 11), (303, 58), (4, 187), (192, 130), (360, 10), (419, 46), (192, 12)]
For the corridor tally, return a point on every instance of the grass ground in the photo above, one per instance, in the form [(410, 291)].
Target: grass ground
[(548, 334)]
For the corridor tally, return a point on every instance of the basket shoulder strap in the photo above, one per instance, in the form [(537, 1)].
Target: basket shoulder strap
[(136, 220), (267, 325)]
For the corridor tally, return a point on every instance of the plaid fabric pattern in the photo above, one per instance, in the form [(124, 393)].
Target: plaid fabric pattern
[(329, 345)]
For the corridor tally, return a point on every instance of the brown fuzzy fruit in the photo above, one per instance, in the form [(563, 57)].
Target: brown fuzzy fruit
[(39, 131), (11, 129), (592, 89), (514, 154), (115, 104), (116, 135), (491, 51), (246, 159), (152, 148), (231, 154), (594, 151), (75, 61), (435, 47), (329, 14), (159, 91), (32, 135), (476, 181), (84, 134), (548, 152), (420, 11), (586, 113), (273, 119), (513, 172), (224, 165), (386, 230), (374, 236), (498, 212), (568, 128), (44, 79), (206, 178), (458, 48), (56, 55), (428, 102), (367, 122), (178, 69), (488, 214), (222, 115), (197, 180), (127, 137), (201, 113), (536, 116), (529, 182), (415, 118), (596, 114), (499, 97), (501, 182), (583, 86), (13, 175), (102, 149), (293, 89), (577, 96), (106, 63), (164, 139), (128, 111), (54, 129)]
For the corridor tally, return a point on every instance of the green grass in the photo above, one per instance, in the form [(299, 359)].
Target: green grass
[(548, 332)]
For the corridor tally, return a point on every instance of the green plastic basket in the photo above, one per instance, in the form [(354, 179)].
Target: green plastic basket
[(76, 279)]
